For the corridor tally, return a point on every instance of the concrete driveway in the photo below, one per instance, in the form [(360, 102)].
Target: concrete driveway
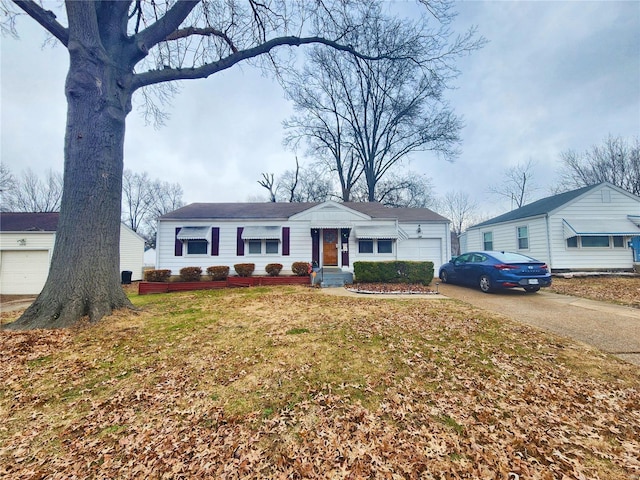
[(611, 328)]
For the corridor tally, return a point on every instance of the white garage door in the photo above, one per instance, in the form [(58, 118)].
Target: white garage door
[(23, 272), (421, 250)]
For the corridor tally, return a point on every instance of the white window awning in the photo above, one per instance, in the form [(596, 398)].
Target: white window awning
[(254, 232), (194, 233), (635, 219), (376, 232), (599, 227)]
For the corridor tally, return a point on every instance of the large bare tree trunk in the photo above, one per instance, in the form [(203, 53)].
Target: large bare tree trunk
[(84, 277)]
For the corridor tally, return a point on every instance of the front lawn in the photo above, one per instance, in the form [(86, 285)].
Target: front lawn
[(289, 383), (623, 290)]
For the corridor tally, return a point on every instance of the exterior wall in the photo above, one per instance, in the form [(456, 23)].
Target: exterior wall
[(25, 277), (432, 246), (131, 252), (589, 207), (551, 247)]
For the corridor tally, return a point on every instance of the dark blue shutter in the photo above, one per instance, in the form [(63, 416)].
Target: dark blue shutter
[(239, 243)]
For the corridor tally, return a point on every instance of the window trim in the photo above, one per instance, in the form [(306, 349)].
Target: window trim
[(485, 241), (522, 238)]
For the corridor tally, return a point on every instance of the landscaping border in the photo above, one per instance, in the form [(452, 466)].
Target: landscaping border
[(145, 288)]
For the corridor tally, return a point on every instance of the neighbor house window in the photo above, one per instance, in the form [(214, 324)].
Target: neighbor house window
[(618, 241), (365, 246), (385, 246), (255, 246), (487, 240), (197, 247), (593, 241), (572, 242), (271, 246), (523, 238)]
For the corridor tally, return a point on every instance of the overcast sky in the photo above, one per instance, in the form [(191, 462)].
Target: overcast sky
[(554, 76)]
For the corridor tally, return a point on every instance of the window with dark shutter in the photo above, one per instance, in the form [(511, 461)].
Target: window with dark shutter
[(240, 243)]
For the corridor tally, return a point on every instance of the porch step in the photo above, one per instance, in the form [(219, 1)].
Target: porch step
[(335, 277)]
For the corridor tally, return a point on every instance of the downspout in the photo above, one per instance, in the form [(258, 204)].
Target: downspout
[(549, 255)]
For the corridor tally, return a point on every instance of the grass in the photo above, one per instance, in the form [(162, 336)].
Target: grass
[(286, 382)]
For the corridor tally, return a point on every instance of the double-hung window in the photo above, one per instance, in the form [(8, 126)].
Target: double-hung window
[(487, 241), (523, 238)]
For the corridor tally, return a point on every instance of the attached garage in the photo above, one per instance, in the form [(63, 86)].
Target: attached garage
[(23, 272), (422, 249)]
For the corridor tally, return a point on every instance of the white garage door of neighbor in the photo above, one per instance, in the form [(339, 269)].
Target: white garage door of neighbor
[(23, 272), (421, 249)]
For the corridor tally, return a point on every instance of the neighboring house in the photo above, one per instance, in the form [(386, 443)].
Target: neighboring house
[(591, 228), (329, 234), (26, 245)]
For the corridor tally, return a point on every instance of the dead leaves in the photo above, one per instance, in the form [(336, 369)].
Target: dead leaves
[(370, 390)]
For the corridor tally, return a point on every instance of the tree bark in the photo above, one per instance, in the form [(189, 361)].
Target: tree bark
[(84, 277)]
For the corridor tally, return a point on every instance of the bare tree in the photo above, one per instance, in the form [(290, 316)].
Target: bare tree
[(30, 193), (616, 161), (7, 186), (144, 200), (458, 207), (117, 48), (304, 184), (518, 185), (368, 116), (409, 189)]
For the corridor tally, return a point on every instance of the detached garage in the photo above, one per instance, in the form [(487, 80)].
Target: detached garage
[(26, 245)]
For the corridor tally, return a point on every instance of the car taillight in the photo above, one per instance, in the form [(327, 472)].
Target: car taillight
[(504, 266), (544, 267)]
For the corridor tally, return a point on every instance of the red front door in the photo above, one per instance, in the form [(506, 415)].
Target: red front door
[(330, 247)]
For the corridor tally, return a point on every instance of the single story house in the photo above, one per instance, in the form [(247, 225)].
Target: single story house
[(591, 228), (330, 235), (26, 245)]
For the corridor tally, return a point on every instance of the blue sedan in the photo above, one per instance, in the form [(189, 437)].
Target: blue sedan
[(494, 270)]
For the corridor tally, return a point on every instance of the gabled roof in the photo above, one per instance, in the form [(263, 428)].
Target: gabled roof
[(28, 222), (282, 211), (539, 207)]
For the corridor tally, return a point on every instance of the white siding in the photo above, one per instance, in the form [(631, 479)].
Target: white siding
[(592, 206), (433, 245), (546, 234), (131, 252), (24, 268)]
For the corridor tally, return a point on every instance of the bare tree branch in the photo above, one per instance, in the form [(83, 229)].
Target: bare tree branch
[(46, 18)]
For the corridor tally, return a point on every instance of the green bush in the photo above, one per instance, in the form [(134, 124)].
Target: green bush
[(395, 271), (300, 269), (218, 272), (190, 274), (157, 275), (244, 269), (273, 269)]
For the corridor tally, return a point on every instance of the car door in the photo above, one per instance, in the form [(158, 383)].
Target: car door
[(461, 268)]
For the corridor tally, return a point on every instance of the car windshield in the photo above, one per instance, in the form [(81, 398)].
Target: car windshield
[(510, 257)]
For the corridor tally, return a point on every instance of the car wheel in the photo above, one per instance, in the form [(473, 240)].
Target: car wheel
[(485, 284), (531, 289), (443, 277)]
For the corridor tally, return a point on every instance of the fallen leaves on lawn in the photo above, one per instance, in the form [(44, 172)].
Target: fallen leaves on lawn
[(215, 385), (623, 290)]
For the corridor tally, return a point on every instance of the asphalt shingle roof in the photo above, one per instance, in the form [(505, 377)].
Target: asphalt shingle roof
[(275, 211), (28, 222), (539, 207)]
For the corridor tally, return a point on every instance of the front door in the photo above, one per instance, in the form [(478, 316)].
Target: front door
[(330, 247)]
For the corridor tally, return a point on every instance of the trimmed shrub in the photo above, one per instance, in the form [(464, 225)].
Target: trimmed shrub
[(218, 272), (300, 269), (396, 271), (190, 274), (157, 275), (273, 269), (244, 269)]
